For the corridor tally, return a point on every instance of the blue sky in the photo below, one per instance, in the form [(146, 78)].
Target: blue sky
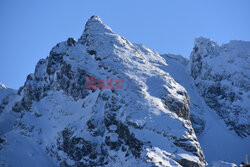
[(30, 28)]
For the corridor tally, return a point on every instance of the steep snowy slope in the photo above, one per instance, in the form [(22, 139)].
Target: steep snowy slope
[(217, 141), (177, 68), (144, 123)]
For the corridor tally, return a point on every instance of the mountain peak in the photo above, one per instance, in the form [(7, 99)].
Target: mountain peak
[(94, 26), (204, 41), (96, 18), (2, 86)]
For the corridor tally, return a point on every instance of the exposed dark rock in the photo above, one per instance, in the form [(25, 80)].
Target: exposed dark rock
[(180, 108), (91, 52), (2, 141), (198, 124), (187, 163), (71, 42), (79, 149)]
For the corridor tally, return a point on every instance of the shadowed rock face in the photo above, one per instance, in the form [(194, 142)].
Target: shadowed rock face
[(146, 123), (221, 74), (181, 109), (198, 124)]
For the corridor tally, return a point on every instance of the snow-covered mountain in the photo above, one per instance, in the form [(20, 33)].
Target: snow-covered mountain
[(222, 76), (150, 119), (217, 141), (145, 123)]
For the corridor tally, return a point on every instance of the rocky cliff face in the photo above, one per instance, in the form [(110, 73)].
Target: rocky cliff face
[(178, 68), (62, 123), (221, 74)]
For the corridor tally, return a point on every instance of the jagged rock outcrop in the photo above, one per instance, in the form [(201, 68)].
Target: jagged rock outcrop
[(221, 74), (144, 123)]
